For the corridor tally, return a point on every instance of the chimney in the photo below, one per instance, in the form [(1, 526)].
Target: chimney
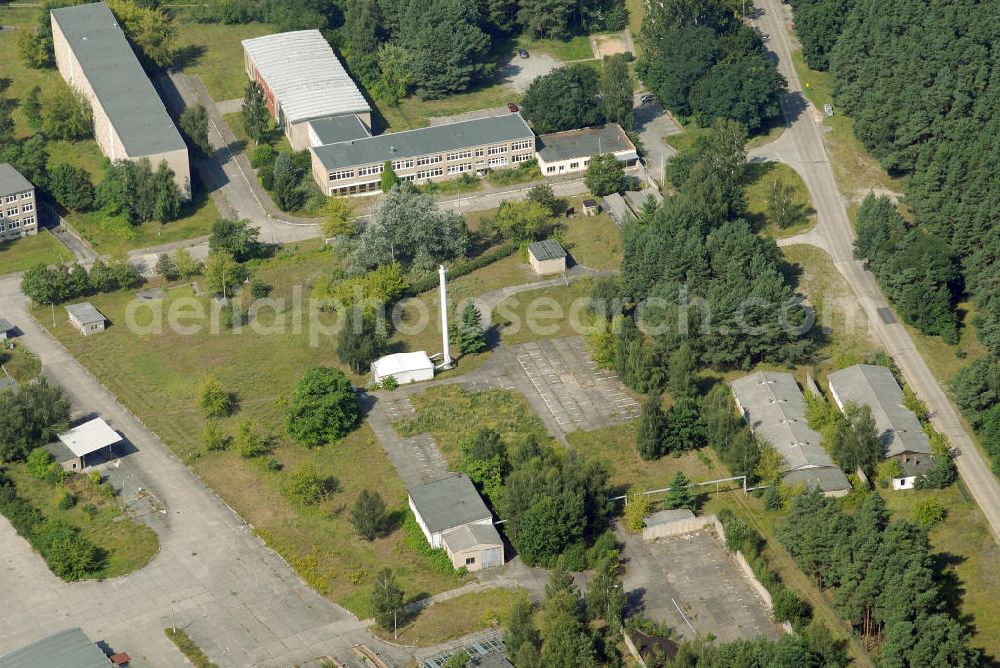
[(446, 355)]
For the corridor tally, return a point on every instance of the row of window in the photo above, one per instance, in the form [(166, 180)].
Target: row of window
[(16, 224), (25, 195), (430, 173), (498, 161), (458, 169), (573, 165), (13, 211), (407, 163)]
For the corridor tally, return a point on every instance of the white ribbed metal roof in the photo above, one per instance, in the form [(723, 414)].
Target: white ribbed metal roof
[(305, 76)]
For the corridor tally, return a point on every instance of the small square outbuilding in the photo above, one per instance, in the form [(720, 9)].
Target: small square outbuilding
[(547, 257), (86, 318), (73, 446)]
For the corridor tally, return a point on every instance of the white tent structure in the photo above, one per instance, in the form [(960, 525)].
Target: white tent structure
[(404, 367)]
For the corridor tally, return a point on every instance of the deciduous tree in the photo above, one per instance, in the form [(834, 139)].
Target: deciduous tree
[(323, 408)]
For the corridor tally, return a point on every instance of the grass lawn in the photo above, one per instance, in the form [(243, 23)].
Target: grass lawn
[(593, 241), (19, 15), (213, 52), (20, 363), (414, 112), (22, 254), (456, 617), (848, 338), (110, 236), (451, 415), (616, 445), (940, 356), (636, 12), (855, 170), (545, 313), (574, 48), (128, 545), (760, 177), (963, 547)]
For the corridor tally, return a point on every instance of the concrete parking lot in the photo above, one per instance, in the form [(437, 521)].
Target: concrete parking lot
[(575, 391), (691, 583)]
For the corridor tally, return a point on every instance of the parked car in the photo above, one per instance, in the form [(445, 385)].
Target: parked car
[(523, 53), (648, 97), (513, 107)]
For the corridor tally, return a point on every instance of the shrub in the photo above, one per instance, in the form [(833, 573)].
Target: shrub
[(90, 511), (213, 399), (214, 438), (413, 538), (259, 289), (928, 512), (788, 607), (67, 501), (306, 487), (368, 514), (636, 508), (273, 465), (248, 443)]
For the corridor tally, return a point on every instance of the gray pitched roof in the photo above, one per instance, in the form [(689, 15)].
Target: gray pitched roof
[(66, 649), (338, 129), (11, 181), (305, 76), (875, 387), (118, 81), (448, 503), (424, 141), (775, 409), (85, 313), (583, 143), (470, 535), (549, 249)]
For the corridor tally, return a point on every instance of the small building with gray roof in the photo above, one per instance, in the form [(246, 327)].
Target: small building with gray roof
[(453, 517), (130, 121), (303, 80), (435, 153), (773, 406), (18, 208), (70, 648), (570, 151), (900, 431), (86, 318), (547, 257)]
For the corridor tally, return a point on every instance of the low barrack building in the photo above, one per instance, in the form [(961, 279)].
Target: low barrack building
[(571, 151), (303, 82)]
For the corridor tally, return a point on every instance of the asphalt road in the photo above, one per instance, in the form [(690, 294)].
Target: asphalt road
[(801, 147), (233, 595)]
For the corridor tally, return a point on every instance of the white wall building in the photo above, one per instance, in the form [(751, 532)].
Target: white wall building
[(404, 367)]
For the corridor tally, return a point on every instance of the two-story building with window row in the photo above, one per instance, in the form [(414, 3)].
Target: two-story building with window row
[(354, 166), (18, 214)]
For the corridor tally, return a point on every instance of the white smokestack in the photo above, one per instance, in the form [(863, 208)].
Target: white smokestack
[(446, 361)]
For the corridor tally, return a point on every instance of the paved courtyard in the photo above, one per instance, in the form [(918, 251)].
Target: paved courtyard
[(691, 583), (575, 391)]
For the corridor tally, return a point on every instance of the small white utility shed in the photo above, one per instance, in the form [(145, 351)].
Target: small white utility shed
[(404, 367)]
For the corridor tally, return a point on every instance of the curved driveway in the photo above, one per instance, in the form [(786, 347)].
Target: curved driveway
[(801, 147)]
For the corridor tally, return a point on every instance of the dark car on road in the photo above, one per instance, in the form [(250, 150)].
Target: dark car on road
[(523, 53), (648, 97), (513, 107)]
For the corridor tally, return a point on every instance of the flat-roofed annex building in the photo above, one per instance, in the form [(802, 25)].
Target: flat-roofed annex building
[(775, 409), (899, 429), (570, 151), (303, 81), (354, 167), (18, 215), (130, 121)]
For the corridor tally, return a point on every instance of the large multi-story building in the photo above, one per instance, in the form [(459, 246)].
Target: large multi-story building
[(130, 121), (303, 81), (18, 214), (354, 166)]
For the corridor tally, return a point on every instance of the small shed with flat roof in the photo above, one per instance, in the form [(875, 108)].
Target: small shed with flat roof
[(70, 648), (73, 446), (404, 367), (87, 319), (547, 257), (453, 517)]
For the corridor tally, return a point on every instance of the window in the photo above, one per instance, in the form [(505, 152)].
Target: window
[(11, 212), (30, 220), (342, 174), (586, 162), (14, 224), (403, 164), (574, 165), (428, 173), (459, 155), (26, 195), (479, 153), (368, 170), (11, 198), (524, 143), (428, 160), (2, 227), (469, 561), (497, 148), (27, 207), (457, 169), (550, 170), (496, 162), (524, 157)]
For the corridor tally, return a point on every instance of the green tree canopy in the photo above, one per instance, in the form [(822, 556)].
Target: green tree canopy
[(323, 408)]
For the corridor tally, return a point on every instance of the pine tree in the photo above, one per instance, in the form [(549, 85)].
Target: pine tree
[(679, 495), (649, 433), (167, 204), (285, 183), (471, 338), (368, 514), (166, 268), (256, 117)]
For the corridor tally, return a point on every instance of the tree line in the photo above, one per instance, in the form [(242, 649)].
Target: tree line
[(702, 60), (881, 576), (578, 96)]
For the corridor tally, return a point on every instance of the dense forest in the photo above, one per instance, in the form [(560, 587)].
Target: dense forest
[(920, 80)]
